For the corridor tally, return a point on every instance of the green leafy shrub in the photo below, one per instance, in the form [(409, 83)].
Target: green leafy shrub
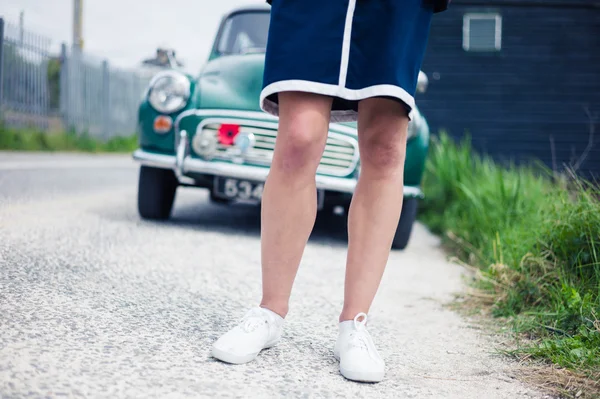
[(35, 140), (537, 242)]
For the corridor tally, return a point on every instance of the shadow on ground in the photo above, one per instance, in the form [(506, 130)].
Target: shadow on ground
[(193, 210)]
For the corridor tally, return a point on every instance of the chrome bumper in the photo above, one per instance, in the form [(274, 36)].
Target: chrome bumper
[(182, 163)]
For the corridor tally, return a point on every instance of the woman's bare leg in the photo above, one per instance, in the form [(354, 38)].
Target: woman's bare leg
[(377, 200), (289, 204)]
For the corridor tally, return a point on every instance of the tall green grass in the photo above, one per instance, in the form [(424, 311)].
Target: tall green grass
[(35, 140), (536, 240)]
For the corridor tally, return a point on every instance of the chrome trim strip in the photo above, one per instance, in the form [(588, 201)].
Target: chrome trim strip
[(182, 153), (260, 174), (247, 115), (257, 173), (223, 112), (154, 160)]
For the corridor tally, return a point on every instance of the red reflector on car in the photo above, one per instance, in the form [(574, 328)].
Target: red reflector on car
[(162, 124), (227, 133)]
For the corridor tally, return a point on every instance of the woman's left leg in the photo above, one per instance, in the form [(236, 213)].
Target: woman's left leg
[(372, 222), (377, 200)]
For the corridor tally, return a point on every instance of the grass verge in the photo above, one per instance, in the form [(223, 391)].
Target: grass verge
[(35, 140), (536, 244)]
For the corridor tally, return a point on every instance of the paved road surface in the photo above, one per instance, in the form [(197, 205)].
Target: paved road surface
[(95, 302)]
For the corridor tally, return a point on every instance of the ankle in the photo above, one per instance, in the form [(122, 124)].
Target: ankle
[(275, 307), (349, 313)]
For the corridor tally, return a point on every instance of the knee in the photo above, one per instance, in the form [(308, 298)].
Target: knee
[(383, 151), (299, 148)]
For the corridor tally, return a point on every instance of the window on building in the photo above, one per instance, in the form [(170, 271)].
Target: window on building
[(482, 32)]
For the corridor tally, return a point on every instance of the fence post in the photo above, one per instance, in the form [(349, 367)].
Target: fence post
[(1, 69), (64, 87), (106, 114)]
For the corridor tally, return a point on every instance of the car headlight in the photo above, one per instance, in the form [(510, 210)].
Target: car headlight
[(169, 91)]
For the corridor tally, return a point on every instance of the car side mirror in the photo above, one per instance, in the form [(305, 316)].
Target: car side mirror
[(422, 83)]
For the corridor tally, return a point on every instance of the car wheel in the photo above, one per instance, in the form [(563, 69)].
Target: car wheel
[(405, 225), (156, 192)]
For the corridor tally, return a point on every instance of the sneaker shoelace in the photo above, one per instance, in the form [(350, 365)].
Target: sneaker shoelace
[(252, 321), (359, 338)]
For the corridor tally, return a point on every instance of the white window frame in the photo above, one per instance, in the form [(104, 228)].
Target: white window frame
[(467, 18)]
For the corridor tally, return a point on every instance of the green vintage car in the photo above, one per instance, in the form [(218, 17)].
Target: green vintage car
[(208, 131)]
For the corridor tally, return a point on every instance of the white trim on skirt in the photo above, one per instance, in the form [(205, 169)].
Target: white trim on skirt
[(345, 60), (333, 91)]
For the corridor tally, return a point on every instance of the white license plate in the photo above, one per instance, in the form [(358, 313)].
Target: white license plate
[(238, 189)]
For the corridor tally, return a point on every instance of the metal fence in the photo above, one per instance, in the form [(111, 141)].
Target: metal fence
[(96, 98), (25, 97), (70, 90)]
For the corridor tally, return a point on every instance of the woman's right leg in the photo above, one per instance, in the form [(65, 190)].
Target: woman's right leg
[(289, 209), (289, 204)]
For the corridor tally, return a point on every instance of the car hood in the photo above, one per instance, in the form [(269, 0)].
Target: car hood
[(232, 82)]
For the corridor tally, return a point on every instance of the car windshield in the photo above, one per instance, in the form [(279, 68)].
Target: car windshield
[(244, 33)]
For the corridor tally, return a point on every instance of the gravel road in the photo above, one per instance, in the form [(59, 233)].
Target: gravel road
[(95, 302)]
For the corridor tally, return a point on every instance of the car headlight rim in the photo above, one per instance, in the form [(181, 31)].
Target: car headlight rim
[(169, 92)]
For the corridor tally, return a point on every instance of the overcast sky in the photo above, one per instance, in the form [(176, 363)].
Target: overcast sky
[(127, 31)]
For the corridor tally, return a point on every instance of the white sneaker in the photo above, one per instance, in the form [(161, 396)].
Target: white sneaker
[(259, 329), (359, 360)]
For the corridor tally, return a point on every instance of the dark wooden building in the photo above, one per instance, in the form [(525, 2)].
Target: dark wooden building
[(522, 77)]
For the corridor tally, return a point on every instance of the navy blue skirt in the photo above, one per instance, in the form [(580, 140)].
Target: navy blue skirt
[(346, 49)]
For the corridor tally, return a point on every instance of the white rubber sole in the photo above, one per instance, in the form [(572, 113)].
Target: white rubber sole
[(232, 358), (360, 376)]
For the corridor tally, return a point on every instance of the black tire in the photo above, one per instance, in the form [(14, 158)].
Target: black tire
[(156, 193), (407, 219)]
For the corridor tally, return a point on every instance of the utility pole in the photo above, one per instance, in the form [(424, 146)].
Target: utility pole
[(78, 24), (21, 27)]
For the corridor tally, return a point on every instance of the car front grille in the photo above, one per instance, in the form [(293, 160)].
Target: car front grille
[(339, 158)]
